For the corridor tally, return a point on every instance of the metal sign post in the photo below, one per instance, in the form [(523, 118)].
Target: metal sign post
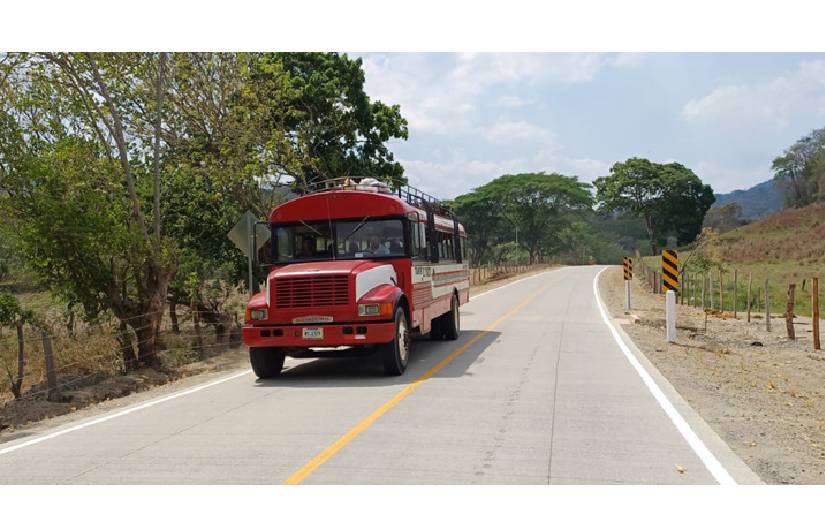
[(670, 278), (628, 275)]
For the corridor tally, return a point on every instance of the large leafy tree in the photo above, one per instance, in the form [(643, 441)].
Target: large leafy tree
[(670, 198), (79, 143), (531, 209), (801, 169), (339, 129)]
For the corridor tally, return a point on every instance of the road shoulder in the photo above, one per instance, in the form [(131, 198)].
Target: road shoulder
[(735, 466)]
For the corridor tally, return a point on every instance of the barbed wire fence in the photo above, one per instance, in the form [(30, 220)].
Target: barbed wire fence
[(57, 357)]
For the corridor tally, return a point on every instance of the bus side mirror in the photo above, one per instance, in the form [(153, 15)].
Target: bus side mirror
[(260, 231)]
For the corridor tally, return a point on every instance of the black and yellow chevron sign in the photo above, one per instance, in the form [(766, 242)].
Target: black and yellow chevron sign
[(670, 269), (628, 268)]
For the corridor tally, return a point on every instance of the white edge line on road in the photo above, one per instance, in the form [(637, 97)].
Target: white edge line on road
[(120, 413), (720, 474), (511, 283), (170, 397)]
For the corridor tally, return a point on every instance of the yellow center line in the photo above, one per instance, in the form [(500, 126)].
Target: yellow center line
[(307, 469)]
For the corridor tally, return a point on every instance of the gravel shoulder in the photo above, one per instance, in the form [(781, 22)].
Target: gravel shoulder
[(762, 393)]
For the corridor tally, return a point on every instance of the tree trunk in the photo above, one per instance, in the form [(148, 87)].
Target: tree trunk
[(17, 384), (156, 157), (173, 315), (651, 234)]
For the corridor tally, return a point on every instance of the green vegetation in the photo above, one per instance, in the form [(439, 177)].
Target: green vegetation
[(670, 198), (120, 174), (785, 247), (535, 216), (532, 211), (801, 169)]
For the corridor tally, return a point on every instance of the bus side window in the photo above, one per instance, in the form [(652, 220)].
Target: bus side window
[(446, 250), (419, 240)]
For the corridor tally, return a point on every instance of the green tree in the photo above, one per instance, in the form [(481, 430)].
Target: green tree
[(76, 143), (339, 130), (530, 209), (670, 198), (12, 314), (724, 218), (801, 169)]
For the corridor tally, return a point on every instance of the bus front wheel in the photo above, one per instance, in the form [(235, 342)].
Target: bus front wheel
[(396, 353), (266, 362)]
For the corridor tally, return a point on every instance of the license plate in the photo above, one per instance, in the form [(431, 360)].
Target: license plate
[(313, 333)]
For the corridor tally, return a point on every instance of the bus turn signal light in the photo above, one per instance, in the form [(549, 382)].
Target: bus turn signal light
[(373, 309)]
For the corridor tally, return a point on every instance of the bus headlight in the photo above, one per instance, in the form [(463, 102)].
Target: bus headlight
[(256, 314), (373, 309)]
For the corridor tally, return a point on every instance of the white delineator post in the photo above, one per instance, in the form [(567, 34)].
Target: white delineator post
[(627, 295), (670, 308)]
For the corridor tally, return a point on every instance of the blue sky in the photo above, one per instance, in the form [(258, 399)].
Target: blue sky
[(474, 117)]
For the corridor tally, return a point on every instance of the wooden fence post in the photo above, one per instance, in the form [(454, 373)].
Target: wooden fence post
[(721, 292), (704, 284), (750, 282), (789, 311), (734, 292), (53, 394), (710, 288), (815, 311), (767, 307)]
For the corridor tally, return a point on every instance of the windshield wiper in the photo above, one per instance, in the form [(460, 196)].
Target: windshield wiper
[(310, 227), (359, 226)]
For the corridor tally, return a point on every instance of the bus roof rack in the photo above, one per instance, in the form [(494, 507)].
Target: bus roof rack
[(411, 195)]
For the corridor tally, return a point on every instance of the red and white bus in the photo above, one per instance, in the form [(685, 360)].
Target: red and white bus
[(357, 268)]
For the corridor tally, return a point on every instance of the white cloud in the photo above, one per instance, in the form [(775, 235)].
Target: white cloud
[(774, 103), (511, 101), (455, 97), (487, 69), (517, 132), (627, 60), (436, 91), (460, 174)]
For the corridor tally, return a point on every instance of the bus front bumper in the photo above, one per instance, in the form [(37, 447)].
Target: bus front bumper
[(326, 335)]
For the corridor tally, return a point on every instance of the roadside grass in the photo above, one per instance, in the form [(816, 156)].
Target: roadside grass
[(90, 351), (786, 247)]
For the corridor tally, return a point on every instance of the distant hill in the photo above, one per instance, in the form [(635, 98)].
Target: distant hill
[(757, 201)]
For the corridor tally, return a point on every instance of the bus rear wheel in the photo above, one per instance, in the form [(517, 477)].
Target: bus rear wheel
[(266, 362), (396, 353), (436, 329), (451, 321)]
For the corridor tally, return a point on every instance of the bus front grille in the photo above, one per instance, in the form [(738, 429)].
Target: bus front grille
[(312, 291)]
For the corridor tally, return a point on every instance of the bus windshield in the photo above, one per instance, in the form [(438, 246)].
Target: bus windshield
[(339, 239)]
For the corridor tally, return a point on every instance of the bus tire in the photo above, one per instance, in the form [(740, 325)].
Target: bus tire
[(396, 353), (451, 321), (266, 362), (436, 330)]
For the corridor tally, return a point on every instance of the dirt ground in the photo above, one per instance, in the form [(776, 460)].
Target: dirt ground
[(99, 393), (762, 393)]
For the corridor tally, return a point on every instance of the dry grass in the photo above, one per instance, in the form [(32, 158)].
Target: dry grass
[(785, 247), (91, 352)]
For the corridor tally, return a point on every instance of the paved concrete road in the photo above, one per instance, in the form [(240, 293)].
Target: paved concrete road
[(542, 394)]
